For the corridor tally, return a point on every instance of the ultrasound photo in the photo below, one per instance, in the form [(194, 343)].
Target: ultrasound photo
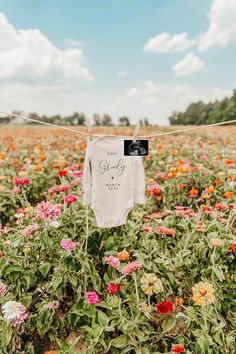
[(136, 148)]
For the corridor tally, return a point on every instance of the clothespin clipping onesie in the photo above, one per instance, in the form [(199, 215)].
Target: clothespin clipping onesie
[(136, 131)]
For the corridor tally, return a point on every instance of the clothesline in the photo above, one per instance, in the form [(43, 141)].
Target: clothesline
[(139, 136)]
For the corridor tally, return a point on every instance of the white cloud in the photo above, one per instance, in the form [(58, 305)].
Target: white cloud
[(189, 65), (166, 98), (132, 92), (166, 43), (222, 25), (29, 56), (74, 42), (122, 74)]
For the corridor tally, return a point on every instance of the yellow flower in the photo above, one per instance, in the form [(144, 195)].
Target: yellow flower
[(203, 293), (217, 242), (151, 284)]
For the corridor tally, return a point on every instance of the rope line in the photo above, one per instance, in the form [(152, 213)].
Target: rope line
[(140, 136)]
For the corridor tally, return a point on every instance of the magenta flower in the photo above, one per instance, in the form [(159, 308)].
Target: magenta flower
[(112, 261), (92, 297), (68, 199), (21, 181), (131, 267), (68, 244)]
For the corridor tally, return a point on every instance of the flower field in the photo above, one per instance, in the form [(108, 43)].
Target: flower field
[(162, 283)]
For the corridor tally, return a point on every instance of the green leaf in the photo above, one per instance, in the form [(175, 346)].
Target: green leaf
[(6, 334), (203, 344), (103, 319), (44, 269), (120, 341), (26, 301), (168, 324)]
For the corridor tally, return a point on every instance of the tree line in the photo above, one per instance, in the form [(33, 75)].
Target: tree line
[(77, 118), (206, 113)]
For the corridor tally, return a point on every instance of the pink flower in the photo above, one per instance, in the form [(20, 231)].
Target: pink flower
[(21, 317), (131, 267), (147, 229), (3, 289), (112, 261), (154, 186), (68, 199), (22, 181), (30, 230), (92, 297), (68, 244), (165, 231), (58, 189), (46, 210), (78, 173), (15, 191)]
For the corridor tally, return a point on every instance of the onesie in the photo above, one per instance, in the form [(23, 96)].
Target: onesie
[(112, 182)]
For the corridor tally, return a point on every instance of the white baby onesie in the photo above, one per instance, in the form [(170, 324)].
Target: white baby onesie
[(112, 182)]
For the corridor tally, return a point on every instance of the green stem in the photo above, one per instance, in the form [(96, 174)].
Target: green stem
[(136, 290)]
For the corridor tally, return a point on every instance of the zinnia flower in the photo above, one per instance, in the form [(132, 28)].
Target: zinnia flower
[(60, 188), (112, 261), (233, 248), (217, 241), (113, 288), (151, 284), (178, 349), (46, 210), (131, 267), (68, 244), (123, 255), (68, 199), (19, 182), (30, 229), (15, 312), (165, 231), (165, 307), (3, 289), (92, 297), (203, 293)]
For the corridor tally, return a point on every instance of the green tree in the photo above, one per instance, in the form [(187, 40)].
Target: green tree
[(124, 121)]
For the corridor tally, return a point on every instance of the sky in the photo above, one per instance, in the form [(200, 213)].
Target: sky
[(144, 58)]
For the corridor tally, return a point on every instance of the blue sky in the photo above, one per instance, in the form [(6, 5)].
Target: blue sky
[(127, 57)]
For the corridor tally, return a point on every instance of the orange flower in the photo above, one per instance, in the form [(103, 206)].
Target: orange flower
[(123, 255), (193, 191), (180, 186), (229, 194), (50, 352), (229, 162), (211, 189), (159, 198), (179, 301), (218, 181)]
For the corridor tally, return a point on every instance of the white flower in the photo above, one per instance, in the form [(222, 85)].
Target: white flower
[(55, 224), (11, 310)]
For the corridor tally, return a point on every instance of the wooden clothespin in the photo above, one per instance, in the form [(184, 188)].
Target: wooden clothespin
[(136, 131), (89, 128)]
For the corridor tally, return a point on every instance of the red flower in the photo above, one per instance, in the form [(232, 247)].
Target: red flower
[(113, 288), (62, 173), (165, 307), (178, 349), (233, 248), (22, 181)]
